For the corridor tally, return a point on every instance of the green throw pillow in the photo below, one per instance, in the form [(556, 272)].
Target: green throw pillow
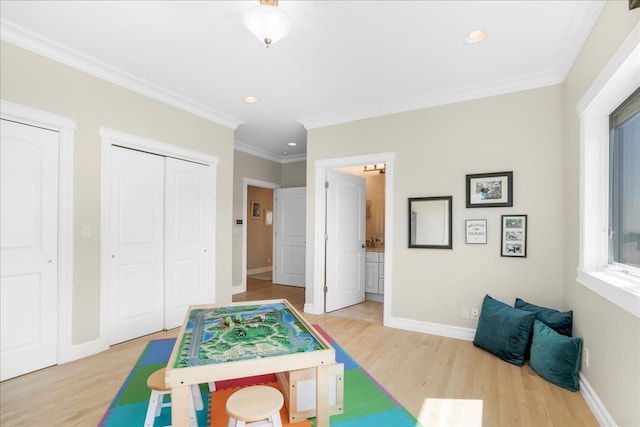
[(556, 357), (559, 321), (504, 330)]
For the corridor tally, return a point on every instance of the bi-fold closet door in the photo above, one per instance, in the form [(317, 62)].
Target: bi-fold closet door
[(159, 234)]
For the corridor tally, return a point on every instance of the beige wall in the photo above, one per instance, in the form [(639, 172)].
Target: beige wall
[(40, 83), (294, 174), (375, 206), (611, 334), (435, 148)]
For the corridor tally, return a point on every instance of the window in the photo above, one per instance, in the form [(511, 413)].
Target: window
[(624, 186), (609, 180)]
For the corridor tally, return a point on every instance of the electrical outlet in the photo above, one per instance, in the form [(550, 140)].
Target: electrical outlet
[(585, 357), (475, 313), (465, 312), (269, 261)]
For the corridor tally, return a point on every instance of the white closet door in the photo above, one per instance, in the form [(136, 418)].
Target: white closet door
[(188, 227), (28, 241), (136, 227)]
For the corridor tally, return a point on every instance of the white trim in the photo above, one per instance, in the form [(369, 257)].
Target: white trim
[(618, 79), (26, 39), (239, 146), (579, 28), (619, 58), (317, 281), (259, 270), (439, 329), (594, 403), (246, 182), (110, 137), (66, 128)]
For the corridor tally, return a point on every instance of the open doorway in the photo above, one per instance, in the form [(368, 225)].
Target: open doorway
[(371, 309), (259, 233), (380, 244), (250, 220)]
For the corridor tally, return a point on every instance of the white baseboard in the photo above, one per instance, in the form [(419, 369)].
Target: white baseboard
[(431, 328), (312, 309), (86, 349), (259, 270), (595, 404)]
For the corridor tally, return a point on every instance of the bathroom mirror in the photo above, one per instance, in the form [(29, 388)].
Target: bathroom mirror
[(430, 222)]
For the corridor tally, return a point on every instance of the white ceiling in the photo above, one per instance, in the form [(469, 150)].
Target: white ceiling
[(342, 60)]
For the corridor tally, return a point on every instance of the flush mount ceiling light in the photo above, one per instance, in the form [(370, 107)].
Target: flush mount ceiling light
[(291, 144), (250, 99), (268, 23), (475, 36)]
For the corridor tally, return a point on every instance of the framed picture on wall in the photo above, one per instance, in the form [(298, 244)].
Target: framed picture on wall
[(490, 190), (514, 236), (476, 231), (256, 209)]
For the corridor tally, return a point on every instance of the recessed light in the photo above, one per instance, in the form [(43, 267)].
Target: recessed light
[(250, 99), (475, 36), (291, 144)]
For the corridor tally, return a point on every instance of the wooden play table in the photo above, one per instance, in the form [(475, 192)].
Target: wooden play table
[(236, 340)]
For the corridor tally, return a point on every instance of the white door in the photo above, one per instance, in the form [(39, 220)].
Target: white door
[(345, 245), (289, 236), (187, 236), (136, 228), (28, 241)]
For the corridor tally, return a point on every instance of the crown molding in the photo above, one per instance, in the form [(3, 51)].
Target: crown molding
[(532, 81), (268, 156), (19, 36), (584, 18)]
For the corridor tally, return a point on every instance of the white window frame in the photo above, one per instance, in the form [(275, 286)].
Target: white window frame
[(615, 83)]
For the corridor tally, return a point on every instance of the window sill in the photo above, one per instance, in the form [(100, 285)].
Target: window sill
[(621, 291)]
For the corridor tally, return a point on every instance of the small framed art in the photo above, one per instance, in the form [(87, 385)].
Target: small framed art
[(476, 231), (256, 209), (514, 236), (490, 190)]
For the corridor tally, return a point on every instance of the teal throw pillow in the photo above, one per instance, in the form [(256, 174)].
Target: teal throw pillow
[(504, 330), (556, 357), (559, 321)]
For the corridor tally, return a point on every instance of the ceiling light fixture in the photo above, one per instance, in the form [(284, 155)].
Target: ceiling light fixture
[(291, 144), (250, 99), (268, 23), (475, 36)]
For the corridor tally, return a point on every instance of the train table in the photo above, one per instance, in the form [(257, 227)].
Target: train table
[(235, 340)]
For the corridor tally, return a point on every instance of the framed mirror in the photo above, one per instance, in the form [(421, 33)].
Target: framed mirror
[(430, 220)]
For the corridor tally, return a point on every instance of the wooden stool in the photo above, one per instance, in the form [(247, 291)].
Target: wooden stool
[(159, 389), (255, 403)]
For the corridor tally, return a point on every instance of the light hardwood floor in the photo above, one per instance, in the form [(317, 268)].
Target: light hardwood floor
[(421, 371)]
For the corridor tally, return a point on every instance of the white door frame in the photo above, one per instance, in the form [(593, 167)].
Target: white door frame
[(321, 167), (66, 129), (111, 137), (246, 182)]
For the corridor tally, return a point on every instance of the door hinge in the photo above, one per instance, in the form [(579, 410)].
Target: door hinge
[(326, 289), (326, 184), (326, 237)]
